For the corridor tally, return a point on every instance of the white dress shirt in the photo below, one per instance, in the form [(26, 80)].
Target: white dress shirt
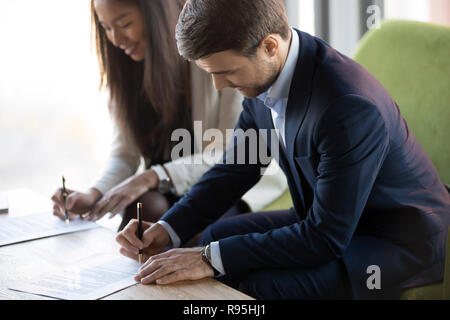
[(276, 99)]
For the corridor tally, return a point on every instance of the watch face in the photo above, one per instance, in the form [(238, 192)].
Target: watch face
[(164, 185)]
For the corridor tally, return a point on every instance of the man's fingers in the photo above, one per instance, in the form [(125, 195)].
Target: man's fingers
[(172, 253), (130, 254), (127, 246), (128, 236), (148, 267), (149, 232), (153, 264), (160, 272), (133, 255), (178, 275), (181, 264)]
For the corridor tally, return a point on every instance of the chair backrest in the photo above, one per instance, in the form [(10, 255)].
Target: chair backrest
[(412, 60)]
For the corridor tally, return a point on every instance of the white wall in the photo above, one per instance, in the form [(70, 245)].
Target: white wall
[(52, 119), (344, 21), (301, 14), (407, 9), (344, 25)]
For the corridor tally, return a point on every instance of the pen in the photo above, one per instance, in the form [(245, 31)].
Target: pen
[(139, 219), (64, 198)]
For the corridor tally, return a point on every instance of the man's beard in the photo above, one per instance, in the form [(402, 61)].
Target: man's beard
[(269, 71)]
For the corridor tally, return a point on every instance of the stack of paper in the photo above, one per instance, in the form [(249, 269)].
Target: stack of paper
[(36, 226)]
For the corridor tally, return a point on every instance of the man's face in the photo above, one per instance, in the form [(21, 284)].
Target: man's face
[(251, 76)]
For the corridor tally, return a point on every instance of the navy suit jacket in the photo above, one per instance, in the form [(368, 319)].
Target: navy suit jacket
[(362, 186)]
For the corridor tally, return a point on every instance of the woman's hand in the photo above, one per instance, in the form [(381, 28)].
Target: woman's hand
[(122, 195), (77, 203)]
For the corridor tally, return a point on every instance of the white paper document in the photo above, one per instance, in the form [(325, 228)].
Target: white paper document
[(95, 279), (36, 226)]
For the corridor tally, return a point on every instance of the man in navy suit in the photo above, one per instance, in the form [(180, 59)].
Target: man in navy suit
[(370, 215)]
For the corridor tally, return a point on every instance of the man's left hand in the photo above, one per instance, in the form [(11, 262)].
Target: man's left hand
[(174, 265)]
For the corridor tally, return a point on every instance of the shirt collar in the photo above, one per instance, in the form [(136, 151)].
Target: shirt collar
[(281, 87)]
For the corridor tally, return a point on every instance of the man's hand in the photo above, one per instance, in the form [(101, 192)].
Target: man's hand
[(174, 265), (122, 195), (154, 240)]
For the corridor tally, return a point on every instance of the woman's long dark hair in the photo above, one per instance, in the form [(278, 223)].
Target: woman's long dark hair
[(149, 98)]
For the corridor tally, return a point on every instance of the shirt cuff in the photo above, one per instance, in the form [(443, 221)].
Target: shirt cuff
[(216, 259), (172, 234), (160, 172)]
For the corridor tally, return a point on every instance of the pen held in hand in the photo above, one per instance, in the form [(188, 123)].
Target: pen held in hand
[(139, 219), (64, 193)]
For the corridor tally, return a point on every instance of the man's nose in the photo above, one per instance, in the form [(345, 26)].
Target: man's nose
[(220, 82)]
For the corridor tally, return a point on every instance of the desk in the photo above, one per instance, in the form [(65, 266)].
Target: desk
[(23, 260)]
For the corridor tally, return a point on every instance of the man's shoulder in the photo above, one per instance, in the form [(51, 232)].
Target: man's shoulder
[(332, 74), (252, 104)]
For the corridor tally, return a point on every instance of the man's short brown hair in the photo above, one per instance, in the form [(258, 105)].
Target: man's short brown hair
[(210, 26)]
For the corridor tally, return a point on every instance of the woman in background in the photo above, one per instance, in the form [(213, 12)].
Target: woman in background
[(152, 92)]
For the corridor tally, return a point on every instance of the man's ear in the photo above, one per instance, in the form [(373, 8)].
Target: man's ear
[(270, 44)]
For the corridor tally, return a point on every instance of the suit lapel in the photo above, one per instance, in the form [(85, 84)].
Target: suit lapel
[(300, 90)]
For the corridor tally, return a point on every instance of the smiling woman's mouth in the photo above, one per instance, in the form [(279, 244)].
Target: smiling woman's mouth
[(130, 50)]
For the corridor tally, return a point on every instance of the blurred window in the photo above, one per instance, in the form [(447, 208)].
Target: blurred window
[(53, 121), (435, 11)]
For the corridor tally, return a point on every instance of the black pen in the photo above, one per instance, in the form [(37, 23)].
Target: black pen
[(64, 198), (139, 219)]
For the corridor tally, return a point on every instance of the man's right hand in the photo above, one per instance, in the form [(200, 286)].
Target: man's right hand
[(154, 240), (77, 203)]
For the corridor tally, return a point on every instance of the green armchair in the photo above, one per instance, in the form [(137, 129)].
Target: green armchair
[(412, 60)]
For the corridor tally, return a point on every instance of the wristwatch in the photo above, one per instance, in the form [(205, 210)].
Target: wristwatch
[(206, 256), (165, 184)]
